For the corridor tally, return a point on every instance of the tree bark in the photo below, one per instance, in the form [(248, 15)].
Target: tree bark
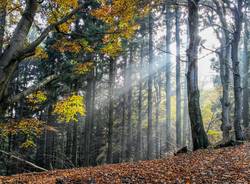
[(157, 114), (129, 103), (178, 78), (111, 110), (238, 16), (245, 112), (2, 23), (199, 136), (168, 20), (224, 58), (139, 123), (88, 131), (150, 91)]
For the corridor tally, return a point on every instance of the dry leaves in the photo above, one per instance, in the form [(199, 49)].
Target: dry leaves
[(221, 166)]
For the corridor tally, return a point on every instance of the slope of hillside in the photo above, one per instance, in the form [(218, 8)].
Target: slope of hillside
[(226, 165)]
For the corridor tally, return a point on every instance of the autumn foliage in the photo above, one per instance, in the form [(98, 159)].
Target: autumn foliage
[(227, 165)]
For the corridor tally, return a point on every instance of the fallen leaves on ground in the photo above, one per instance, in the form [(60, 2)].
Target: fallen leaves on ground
[(220, 166)]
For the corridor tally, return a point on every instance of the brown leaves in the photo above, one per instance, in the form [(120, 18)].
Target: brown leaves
[(227, 165)]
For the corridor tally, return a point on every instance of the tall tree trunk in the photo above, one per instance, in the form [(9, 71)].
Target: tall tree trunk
[(157, 114), (150, 91), (168, 20), (224, 58), (178, 78), (138, 150), (186, 123), (199, 136), (111, 110), (129, 103), (16, 44), (74, 144), (92, 120), (123, 133), (68, 150), (246, 78), (2, 23), (87, 131), (237, 11)]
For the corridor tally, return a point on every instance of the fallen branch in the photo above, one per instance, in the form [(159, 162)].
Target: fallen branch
[(24, 161)]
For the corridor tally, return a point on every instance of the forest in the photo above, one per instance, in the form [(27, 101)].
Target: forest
[(124, 86)]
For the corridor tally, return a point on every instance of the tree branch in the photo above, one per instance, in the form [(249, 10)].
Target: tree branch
[(46, 31), (33, 88), (24, 161)]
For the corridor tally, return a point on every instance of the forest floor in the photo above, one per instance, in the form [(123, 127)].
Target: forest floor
[(216, 166)]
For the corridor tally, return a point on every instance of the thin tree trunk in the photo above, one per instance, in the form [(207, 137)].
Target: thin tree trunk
[(236, 71), (199, 136), (74, 144), (168, 20), (88, 119), (186, 123), (246, 78), (224, 57), (129, 103), (139, 123), (157, 114), (178, 78), (2, 23), (111, 110), (150, 91), (123, 134)]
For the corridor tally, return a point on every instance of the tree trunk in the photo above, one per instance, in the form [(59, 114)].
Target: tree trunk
[(139, 123), (186, 123), (123, 133), (246, 78), (157, 114), (236, 71), (2, 23), (111, 110), (178, 78), (129, 103), (224, 57), (74, 144), (88, 120), (16, 44), (199, 136), (168, 20), (150, 91)]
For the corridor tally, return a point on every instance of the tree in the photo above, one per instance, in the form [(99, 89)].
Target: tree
[(199, 136), (246, 58), (224, 59), (238, 18), (111, 109), (178, 78), (150, 89), (16, 50), (168, 20)]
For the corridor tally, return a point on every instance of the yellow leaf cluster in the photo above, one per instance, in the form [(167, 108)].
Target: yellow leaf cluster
[(29, 128), (65, 45), (69, 108), (121, 16), (37, 97), (40, 53), (84, 68), (61, 8), (86, 47)]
